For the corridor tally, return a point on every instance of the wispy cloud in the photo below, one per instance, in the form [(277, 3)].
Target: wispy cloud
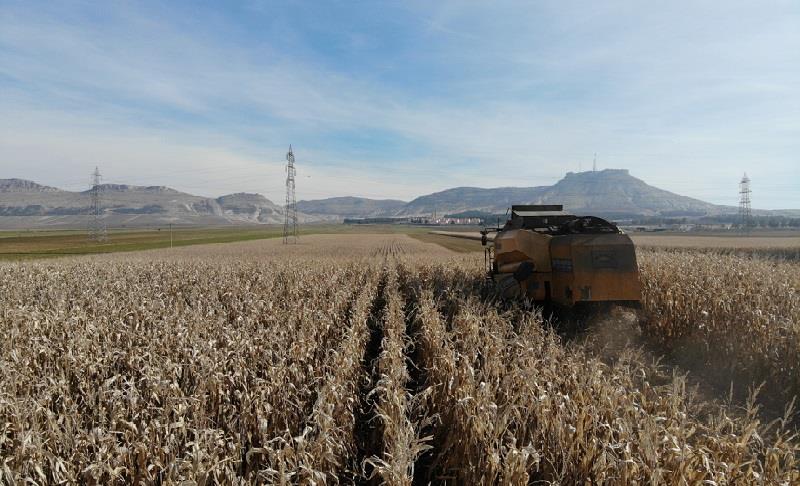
[(407, 100)]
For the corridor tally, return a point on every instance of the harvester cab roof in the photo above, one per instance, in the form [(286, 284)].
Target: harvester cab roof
[(551, 219)]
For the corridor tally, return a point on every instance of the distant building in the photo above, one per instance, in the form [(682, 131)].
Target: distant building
[(421, 220)]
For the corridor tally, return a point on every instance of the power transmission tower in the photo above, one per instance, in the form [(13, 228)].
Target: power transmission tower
[(290, 212), (97, 227), (594, 163), (745, 214)]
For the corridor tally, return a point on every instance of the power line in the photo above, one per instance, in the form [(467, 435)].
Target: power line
[(290, 210)]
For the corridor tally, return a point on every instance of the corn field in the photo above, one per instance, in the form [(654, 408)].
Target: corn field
[(367, 359), (737, 317)]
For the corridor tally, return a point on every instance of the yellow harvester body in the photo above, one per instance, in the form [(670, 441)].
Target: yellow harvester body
[(547, 255)]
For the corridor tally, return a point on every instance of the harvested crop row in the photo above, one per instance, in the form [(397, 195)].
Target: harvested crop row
[(469, 445), (465, 364), (325, 449), (400, 444)]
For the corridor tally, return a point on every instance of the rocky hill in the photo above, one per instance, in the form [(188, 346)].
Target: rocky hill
[(22, 186), (26, 204), (251, 208), (612, 193), (616, 192), (352, 207), (462, 199)]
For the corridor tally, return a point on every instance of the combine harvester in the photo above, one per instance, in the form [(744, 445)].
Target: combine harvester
[(548, 256)]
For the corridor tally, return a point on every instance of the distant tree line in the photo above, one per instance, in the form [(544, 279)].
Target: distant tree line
[(732, 219), (773, 222)]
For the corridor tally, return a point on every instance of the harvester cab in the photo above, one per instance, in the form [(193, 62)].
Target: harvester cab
[(548, 255)]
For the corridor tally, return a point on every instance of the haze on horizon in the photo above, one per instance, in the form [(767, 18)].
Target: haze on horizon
[(399, 99)]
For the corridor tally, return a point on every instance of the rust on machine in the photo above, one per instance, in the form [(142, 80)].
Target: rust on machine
[(545, 254)]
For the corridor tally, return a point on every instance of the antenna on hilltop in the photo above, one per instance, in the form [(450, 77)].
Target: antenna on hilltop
[(290, 210), (594, 163), (96, 230), (745, 214)]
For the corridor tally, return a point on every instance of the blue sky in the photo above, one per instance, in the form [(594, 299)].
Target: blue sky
[(398, 99)]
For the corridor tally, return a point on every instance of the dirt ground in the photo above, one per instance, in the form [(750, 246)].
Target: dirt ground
[(307, 246)]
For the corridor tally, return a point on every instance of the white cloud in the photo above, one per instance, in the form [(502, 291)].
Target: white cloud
[(688, 97)]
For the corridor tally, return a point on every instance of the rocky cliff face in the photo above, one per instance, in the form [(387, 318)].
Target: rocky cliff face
[(251, 208)]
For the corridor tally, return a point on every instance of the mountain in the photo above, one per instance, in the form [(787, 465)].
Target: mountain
[(610, 193), (352, 207), (22, 185), (614, 192), (25, 204), (462, 199)]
